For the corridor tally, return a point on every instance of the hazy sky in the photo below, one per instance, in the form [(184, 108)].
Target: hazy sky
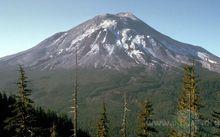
[(25, 23)]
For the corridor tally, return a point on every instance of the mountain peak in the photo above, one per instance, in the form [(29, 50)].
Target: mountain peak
[(115, 42), (127, 15)]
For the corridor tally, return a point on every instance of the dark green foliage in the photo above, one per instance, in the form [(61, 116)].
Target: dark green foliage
[(145, 121), (6, 111), (21, 119), (43, 121), (216, 123), (82, 133), (22, 109), (46, 120), (102, 124), (53, 89)]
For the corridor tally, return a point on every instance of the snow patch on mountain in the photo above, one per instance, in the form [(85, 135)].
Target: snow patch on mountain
[(205, 57), (94, 49), (108, 24), (212, 61), (81, 37), (110, 49), (104, 39), (127, 15), (137, 55), (60, 51), (140, 40), (60, 38)]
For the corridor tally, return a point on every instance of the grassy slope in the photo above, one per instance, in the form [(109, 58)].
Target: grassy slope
[(53, 90)]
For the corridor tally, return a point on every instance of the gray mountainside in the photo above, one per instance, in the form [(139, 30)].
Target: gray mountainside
[(112, 41)]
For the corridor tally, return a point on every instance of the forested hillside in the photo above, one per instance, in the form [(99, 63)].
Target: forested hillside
[(193, 111)]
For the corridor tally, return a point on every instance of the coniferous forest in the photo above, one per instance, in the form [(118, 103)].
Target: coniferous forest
[(20, 117)]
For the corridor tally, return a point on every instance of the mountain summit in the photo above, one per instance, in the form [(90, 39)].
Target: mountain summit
[(113, 42)]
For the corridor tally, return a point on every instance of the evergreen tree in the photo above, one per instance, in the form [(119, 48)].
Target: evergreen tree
[(82, 133), (42, 120), (22, 109), (188, 115), (145, 129), (174, 133), (5, 103), (102, 124), (124, 121)]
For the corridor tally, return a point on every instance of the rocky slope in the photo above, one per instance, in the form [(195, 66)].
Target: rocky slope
[(113, 42)]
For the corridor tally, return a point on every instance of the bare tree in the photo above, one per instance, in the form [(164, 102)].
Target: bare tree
[(75, 92), (124, 120)]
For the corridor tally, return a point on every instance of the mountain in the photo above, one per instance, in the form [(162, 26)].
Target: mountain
[(113, 42)]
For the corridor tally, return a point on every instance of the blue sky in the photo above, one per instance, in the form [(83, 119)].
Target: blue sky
[(25, 23)]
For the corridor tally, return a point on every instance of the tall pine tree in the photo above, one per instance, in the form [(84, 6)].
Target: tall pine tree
[(145, 128), (102, 124), (21, 122), (188, 114)]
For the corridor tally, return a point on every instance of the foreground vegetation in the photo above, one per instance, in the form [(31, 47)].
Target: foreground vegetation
[(20, 117)]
